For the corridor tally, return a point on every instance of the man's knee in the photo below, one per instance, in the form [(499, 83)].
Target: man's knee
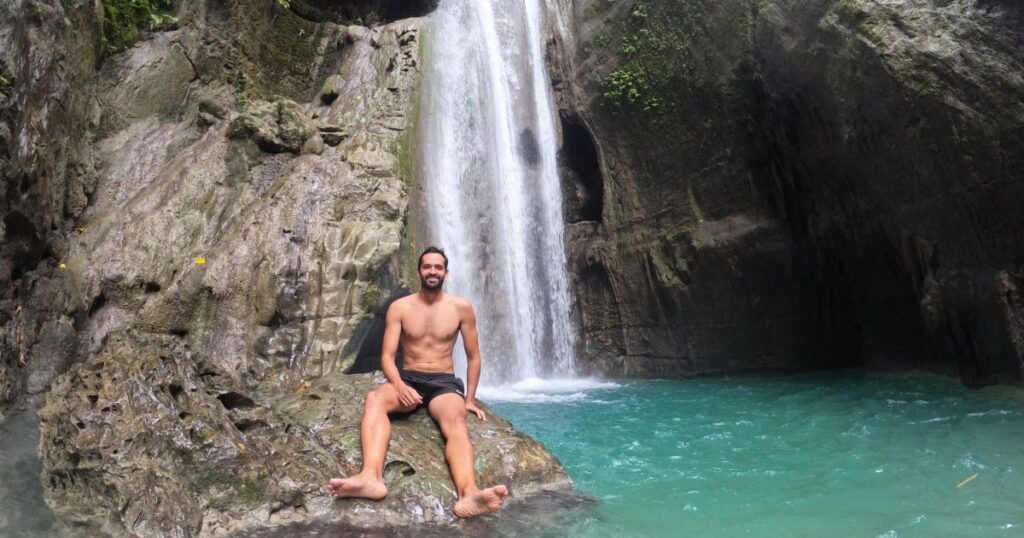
[(454, 424), (375, 402)]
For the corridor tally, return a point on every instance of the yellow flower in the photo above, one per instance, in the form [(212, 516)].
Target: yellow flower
[(200, 261), (81, 230), (62, 266)]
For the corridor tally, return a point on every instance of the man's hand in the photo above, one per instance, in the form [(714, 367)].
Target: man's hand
[(407, 395), (472, 408)]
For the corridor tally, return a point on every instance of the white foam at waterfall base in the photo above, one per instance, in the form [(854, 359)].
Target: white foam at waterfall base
[(537, 390)]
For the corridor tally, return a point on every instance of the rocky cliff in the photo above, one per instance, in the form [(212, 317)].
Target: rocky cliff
[(765, 184), (200, 233)]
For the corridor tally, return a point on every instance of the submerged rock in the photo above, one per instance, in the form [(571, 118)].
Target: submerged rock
[(150, 438)]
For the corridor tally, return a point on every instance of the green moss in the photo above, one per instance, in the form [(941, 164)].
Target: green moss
[(370, 297), (408, 143), (279, 55), (125, 20), (329, 87), (656, 46), (225, 490), (244, 90)]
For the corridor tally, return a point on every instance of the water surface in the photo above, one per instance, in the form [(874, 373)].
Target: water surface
[(22, 510), (815, 455)]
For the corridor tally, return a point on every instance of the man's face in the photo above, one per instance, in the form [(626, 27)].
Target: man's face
[(432, 271)]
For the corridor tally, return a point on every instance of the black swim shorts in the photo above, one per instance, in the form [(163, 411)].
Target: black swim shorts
[(430, 385)]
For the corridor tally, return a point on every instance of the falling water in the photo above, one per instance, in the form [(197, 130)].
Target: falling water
[(491, 179)]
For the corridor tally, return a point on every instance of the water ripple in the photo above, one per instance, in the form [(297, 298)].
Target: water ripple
[(873, 455)]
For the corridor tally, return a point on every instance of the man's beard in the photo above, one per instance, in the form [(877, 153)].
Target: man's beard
[(432, 287)]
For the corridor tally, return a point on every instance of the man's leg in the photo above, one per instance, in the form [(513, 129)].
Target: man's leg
[(449, 410), (375, 432)]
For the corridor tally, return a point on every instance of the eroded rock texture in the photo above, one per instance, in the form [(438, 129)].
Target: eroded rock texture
[(788, 185)]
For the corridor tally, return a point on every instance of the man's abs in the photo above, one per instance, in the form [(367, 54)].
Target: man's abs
[(435, 365)]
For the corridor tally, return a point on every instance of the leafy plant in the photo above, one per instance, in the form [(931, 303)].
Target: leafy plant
[(124, 20), (656, 50)]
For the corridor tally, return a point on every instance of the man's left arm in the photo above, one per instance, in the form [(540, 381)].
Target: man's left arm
[(472, 344)]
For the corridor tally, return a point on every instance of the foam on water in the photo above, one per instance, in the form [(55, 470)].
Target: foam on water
[(537, 390)]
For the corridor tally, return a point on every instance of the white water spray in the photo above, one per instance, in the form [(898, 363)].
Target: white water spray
[(491, 184)]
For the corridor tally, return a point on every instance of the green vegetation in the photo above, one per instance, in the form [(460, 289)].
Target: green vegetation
[(124, 20), (407, 148), (4, 82), (657, 45), (370, 297)]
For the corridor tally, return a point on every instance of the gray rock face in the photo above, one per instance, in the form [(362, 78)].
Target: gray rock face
[(682, 266), (794, 185)]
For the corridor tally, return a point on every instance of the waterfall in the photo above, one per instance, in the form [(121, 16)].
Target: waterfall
[(490, 181)]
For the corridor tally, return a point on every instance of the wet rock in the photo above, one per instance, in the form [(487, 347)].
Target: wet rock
[(49, 53), (10, 380)]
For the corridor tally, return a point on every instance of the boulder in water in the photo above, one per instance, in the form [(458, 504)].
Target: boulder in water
[(167, 443)]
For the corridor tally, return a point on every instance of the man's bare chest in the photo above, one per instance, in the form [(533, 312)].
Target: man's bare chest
[(433, 325)]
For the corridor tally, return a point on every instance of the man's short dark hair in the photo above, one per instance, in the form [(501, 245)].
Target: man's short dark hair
[(433, 250)]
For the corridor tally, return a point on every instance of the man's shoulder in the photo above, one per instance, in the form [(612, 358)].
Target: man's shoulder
[(461, 303), (400, 304)]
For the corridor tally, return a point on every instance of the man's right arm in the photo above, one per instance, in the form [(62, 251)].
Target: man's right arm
[(392, 332)]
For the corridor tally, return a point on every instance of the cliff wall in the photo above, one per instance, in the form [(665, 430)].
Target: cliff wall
[(795, 185)]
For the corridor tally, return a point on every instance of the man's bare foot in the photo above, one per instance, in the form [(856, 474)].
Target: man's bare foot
[(481, 501), (358, 486)]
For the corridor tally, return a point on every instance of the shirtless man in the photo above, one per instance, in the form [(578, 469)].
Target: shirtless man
[(427, 323)]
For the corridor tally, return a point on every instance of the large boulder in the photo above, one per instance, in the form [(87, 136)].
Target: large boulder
[(150, 438)]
